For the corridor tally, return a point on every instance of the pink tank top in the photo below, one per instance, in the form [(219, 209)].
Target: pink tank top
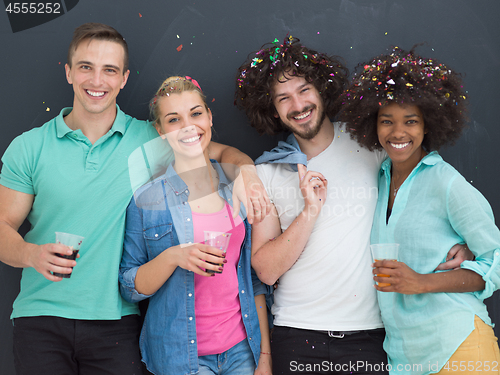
[(219, 325)]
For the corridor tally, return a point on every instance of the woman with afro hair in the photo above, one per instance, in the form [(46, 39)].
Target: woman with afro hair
[(436, 322)]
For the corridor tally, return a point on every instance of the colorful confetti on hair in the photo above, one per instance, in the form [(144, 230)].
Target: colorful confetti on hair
[(399, 71), (171, 85), (277, 53)]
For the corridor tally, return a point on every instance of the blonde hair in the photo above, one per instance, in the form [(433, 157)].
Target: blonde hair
[(173, 85)]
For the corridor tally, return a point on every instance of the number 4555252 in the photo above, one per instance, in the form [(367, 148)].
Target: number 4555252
[(40, 8), (471, 366)]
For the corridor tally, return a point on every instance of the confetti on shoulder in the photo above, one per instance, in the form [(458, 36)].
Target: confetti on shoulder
[(179, 48)]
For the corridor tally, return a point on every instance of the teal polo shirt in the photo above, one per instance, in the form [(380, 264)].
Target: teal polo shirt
[(82, 189)]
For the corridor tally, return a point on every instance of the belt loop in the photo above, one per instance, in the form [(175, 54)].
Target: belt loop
[(340, 335)]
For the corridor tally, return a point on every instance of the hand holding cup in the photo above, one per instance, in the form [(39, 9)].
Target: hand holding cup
[(218, 240), (384, 251), (73, 242)]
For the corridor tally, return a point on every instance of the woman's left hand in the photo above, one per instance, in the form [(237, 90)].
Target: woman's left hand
[(402, 278), (265, 366), (248, 189)]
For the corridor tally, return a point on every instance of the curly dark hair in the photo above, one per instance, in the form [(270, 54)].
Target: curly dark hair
[(258, 74), (405, 78)]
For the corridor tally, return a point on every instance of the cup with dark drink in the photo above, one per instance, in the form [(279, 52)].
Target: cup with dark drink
[(73, 242)]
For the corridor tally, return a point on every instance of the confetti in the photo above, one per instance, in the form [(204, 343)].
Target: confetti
[(140, 15), (179, 48), (47, 110)]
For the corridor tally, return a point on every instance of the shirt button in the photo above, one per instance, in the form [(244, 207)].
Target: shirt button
[(192, 341), (190, 294), (246, 316), (188, 219), (156, 234), (242, 291), (189, 242), (186, 191), (190, 318), (249, 338)]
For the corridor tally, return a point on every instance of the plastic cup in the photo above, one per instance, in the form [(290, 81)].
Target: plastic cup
[(73, 242), (220, 240), (384, 251)]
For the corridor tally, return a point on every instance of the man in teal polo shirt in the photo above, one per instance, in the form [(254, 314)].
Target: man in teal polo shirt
[(71, 175)]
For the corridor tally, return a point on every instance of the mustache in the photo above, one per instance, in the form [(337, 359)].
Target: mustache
[(305, 109)]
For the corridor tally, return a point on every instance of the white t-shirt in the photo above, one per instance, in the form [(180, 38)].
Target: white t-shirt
[(330, 287)]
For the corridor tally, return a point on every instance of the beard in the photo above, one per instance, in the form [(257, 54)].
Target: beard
[(305, 131)]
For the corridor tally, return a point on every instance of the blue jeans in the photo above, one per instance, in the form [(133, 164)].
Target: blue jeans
[(236, 361)]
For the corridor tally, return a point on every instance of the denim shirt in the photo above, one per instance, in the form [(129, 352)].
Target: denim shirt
[(285, 152), (159, 217)]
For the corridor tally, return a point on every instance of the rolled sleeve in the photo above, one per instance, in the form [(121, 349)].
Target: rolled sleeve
[(472, 218), (489, 269), (127, 285)]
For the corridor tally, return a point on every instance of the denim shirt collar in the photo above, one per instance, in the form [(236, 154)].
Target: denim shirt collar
[(178, 185), (177, 194)]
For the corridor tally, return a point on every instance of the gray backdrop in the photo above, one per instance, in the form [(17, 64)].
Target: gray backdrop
[(216, 37)]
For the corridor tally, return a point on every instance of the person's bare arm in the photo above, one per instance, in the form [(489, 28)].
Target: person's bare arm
[(14, 251), (265, 364), (153, 274), (404, 280), (273, 252), (248, 188), (227, 154)]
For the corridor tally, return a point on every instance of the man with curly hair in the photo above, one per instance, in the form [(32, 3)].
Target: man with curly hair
[(326, 317)]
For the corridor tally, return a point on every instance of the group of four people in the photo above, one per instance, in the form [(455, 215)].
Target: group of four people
[(329, 188)]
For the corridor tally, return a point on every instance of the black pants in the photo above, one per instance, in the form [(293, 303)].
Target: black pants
[(302, 351), (52, 345)]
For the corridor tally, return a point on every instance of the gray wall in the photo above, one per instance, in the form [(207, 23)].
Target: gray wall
[(216, 38)]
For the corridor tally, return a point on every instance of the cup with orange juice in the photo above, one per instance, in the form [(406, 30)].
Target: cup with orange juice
[(384, 251)]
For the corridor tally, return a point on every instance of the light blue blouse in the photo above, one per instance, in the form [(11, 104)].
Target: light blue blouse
[(435, 208)]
